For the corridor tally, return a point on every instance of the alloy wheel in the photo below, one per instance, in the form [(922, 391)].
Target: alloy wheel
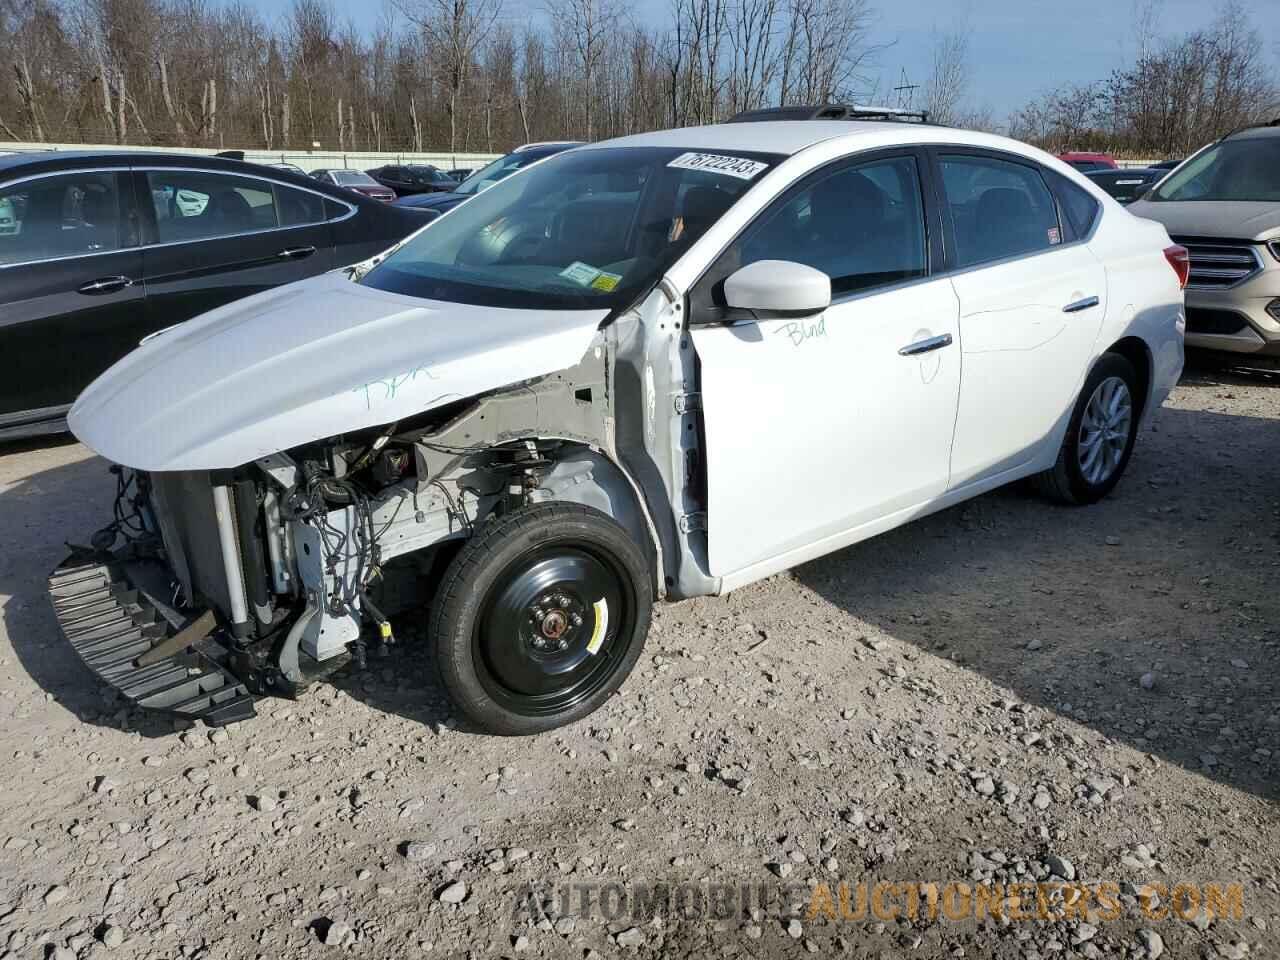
[(1104, 430)]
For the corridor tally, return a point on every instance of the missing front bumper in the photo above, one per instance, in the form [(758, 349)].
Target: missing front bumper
[(110, 622)]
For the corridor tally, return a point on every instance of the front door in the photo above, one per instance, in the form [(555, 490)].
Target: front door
[(218, 237), (70, 288), (817, 426), (1031, 307)]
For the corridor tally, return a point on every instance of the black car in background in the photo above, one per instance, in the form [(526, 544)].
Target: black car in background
[(430, 206), (1126, 185), (410, 179), (97, 250)]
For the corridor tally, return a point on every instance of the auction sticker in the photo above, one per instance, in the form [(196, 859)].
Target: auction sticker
[(738, 167), (580, 272)]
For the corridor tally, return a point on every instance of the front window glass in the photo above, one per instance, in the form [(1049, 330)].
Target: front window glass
[(192, 205), (585, 230), (1000, 209), (1247, 170), (862, 226), (59, 216)]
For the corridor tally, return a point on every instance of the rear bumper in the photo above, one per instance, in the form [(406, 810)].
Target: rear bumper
[(110, 619)]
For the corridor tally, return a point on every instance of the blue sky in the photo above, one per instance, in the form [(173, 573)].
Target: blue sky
[(1019, 48)]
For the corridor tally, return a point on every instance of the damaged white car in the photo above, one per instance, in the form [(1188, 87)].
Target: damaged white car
[(658, 367)]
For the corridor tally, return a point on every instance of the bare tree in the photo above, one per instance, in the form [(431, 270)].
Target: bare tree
[(585, 25), (455, 30), (948, 83), (827, 50)]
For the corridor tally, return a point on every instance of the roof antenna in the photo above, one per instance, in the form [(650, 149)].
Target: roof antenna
[(905, 90)]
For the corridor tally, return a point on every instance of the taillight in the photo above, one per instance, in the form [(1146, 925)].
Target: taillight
[(1180, 259)]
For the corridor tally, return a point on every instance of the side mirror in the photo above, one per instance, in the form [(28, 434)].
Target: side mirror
[(778, 287)]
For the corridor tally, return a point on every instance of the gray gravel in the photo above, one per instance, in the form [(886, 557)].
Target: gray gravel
[(1004, 692)]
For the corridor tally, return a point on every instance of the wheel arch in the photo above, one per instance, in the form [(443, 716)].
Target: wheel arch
[(1138, 353), (584, 474)]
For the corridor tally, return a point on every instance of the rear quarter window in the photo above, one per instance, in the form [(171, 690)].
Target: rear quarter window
[(1079, 207)]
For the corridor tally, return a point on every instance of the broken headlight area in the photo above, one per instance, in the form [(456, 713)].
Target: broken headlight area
[(268, 576)]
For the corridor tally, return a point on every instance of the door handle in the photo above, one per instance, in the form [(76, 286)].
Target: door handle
[(1088, 303), (296, 253), (924, 346), (106, 285)]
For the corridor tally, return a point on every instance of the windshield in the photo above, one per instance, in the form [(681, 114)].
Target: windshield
[(352, 178), (426, 174), (586, 230), (500, 169), (1246, 170)]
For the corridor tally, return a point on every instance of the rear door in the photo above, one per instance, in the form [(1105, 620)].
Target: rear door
[(71, 287), (214, 237), (1032, 298)]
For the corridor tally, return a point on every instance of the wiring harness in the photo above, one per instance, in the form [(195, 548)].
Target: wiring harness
[(352, 557)]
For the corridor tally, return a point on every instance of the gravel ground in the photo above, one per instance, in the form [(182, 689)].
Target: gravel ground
[(1005, 691)]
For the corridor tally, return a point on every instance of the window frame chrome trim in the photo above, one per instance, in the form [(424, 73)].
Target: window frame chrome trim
[(352, 209), (139, 248)]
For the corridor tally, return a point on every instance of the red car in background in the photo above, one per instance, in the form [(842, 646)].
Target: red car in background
[(1084, 162), (356, 180)]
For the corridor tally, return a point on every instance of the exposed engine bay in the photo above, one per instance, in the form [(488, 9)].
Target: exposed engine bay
[(303, 556)]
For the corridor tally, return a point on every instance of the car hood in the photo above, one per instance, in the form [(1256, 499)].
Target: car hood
[(306, 361), (431, 200), (1234, 220)]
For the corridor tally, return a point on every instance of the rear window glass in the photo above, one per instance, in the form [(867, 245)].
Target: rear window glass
[(999, 208)]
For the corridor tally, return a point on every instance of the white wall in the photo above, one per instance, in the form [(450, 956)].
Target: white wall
[(306, 159)]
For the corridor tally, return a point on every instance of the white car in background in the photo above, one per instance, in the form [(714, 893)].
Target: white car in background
[(10, 225), (657, 367)]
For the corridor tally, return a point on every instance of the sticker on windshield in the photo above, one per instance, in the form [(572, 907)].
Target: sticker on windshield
[(1055, 236), (589, 276), (580, 272), (737, 167), (606, 281)]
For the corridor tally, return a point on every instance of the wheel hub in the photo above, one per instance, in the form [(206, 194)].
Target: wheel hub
[(1104, 430), (545, 637)]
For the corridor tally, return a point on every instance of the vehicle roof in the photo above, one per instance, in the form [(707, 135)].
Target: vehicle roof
[(53, 161), (41, 160), (1084, 154), (1257, 133), (789, 137), (548, 145)]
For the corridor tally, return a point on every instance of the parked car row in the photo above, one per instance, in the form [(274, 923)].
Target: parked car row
[(99, 250)]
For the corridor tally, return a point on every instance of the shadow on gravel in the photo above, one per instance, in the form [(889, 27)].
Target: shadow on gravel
[(38, 514), (1173, 574)]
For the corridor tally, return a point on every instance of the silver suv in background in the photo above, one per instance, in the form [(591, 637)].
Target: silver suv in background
[(1223, 205)]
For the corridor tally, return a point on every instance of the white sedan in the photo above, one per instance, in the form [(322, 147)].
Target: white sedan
[(657, 367)]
